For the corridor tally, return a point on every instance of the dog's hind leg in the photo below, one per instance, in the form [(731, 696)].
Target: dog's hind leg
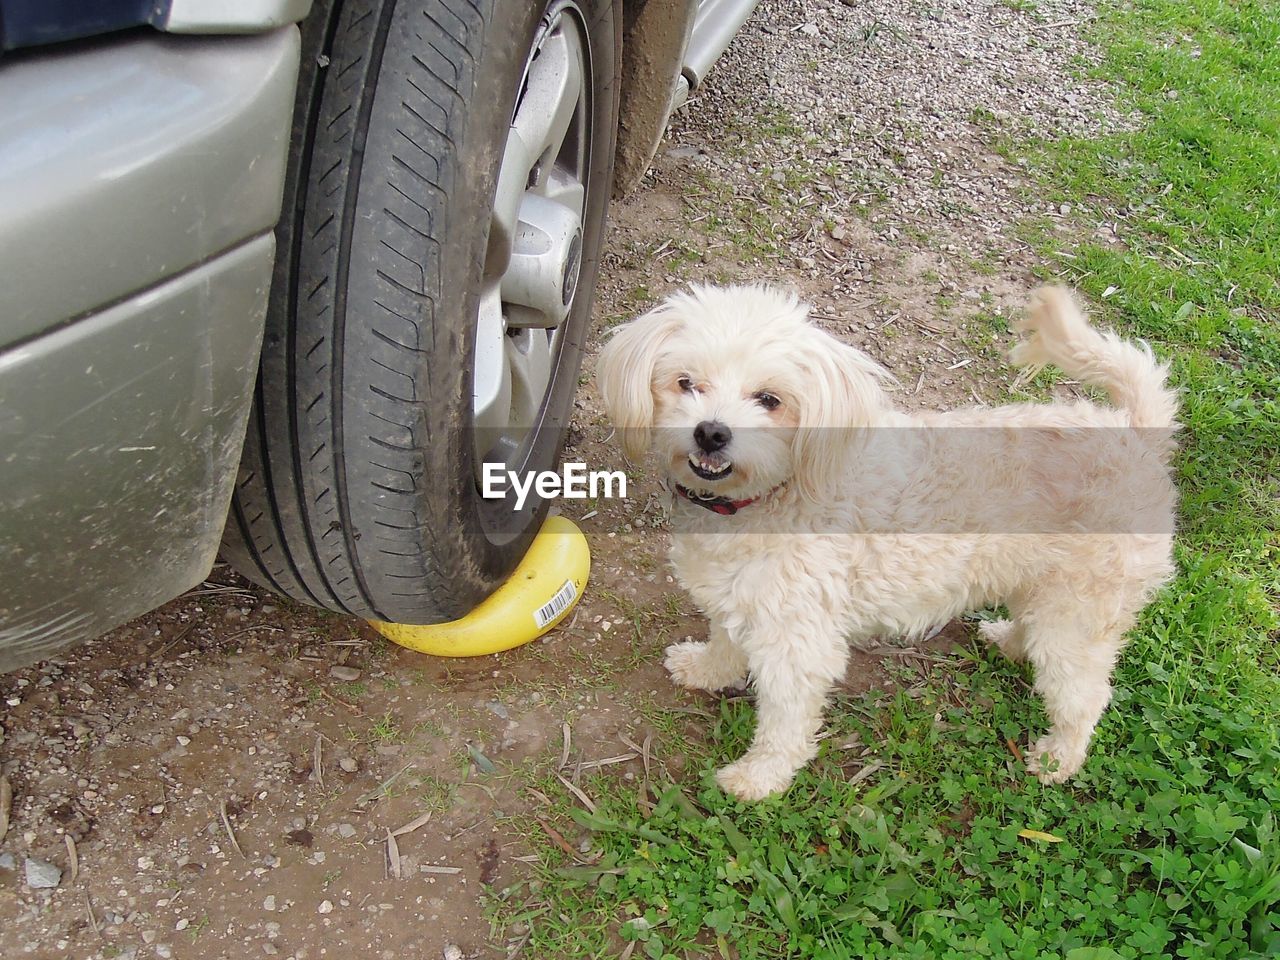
[(713, 665), (794, 664), (1073, 664)]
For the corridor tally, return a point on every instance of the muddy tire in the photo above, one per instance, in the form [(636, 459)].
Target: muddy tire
[(358, 488)]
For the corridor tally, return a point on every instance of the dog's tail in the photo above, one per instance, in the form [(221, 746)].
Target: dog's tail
[(1056, 331)]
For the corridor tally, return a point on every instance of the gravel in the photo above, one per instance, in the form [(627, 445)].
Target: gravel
[(903, 104)]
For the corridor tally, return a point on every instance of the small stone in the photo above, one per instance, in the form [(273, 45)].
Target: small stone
[(326, 906), (148, 936), (269, 904), (1064, 209), (164, 951), (838, 233), (348, 765), (346, 831), (42, 875), (7, 862), (345, 674), (498, 710), (452, 952), (182, 924)]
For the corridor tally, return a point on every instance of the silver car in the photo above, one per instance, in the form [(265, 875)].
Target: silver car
[(277, 277)]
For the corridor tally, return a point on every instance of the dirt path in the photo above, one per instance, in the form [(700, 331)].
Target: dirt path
[(227, 769)]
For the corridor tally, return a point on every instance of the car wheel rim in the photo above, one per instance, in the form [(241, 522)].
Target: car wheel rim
[(530, 278)]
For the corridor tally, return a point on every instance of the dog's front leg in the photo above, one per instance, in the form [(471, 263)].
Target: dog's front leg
[(713, 665), (794, 662)]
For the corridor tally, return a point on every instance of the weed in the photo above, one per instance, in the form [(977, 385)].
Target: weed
[(199, 928), (351, 691), (386, 729)]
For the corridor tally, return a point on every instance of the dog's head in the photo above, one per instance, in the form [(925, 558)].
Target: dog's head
[(738, 392)]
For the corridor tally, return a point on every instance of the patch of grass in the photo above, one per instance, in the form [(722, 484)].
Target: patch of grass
[(437, 794), (981, 334), (351, 691), (902, 839), (762, 221), (385, 729)]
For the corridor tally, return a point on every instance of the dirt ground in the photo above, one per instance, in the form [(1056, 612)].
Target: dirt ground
[(220, 778)]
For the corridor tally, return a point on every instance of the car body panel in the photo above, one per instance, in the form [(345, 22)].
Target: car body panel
[(232, 16), (140, 180), (130, 161), (120, 436), (32, 23)]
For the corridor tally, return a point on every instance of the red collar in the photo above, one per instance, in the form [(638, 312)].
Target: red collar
[(721, 505)]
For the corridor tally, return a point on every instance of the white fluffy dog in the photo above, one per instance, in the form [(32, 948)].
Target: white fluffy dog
[(832, 518)]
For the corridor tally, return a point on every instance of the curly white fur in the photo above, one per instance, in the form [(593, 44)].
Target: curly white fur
[(853, 538)]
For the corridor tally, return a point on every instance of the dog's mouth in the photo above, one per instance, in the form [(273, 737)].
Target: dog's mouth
[(710, 466)]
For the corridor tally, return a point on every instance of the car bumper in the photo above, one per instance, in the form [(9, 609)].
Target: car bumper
[(139, 184)]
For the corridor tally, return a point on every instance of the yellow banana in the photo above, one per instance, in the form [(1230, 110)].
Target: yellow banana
[(537, 596)]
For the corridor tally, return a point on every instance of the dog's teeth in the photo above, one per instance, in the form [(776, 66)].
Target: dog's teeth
[(706, 466)]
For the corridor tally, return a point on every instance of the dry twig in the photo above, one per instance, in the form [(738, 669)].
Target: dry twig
[(73, 857), (6, 801), (231, 834)]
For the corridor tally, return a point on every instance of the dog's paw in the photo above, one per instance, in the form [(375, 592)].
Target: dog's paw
[(752, 779), (1004, 635), (1053, 760), (691, 665)]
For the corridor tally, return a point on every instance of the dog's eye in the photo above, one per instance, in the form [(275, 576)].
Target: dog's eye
[(685, 384), (768, 400)]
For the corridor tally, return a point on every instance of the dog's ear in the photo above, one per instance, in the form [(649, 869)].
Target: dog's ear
[(624, 373), (843, 399)]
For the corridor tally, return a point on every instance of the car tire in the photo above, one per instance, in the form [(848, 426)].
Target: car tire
[(359, 487)]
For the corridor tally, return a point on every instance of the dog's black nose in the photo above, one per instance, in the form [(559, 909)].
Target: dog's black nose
[(712, 435)]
